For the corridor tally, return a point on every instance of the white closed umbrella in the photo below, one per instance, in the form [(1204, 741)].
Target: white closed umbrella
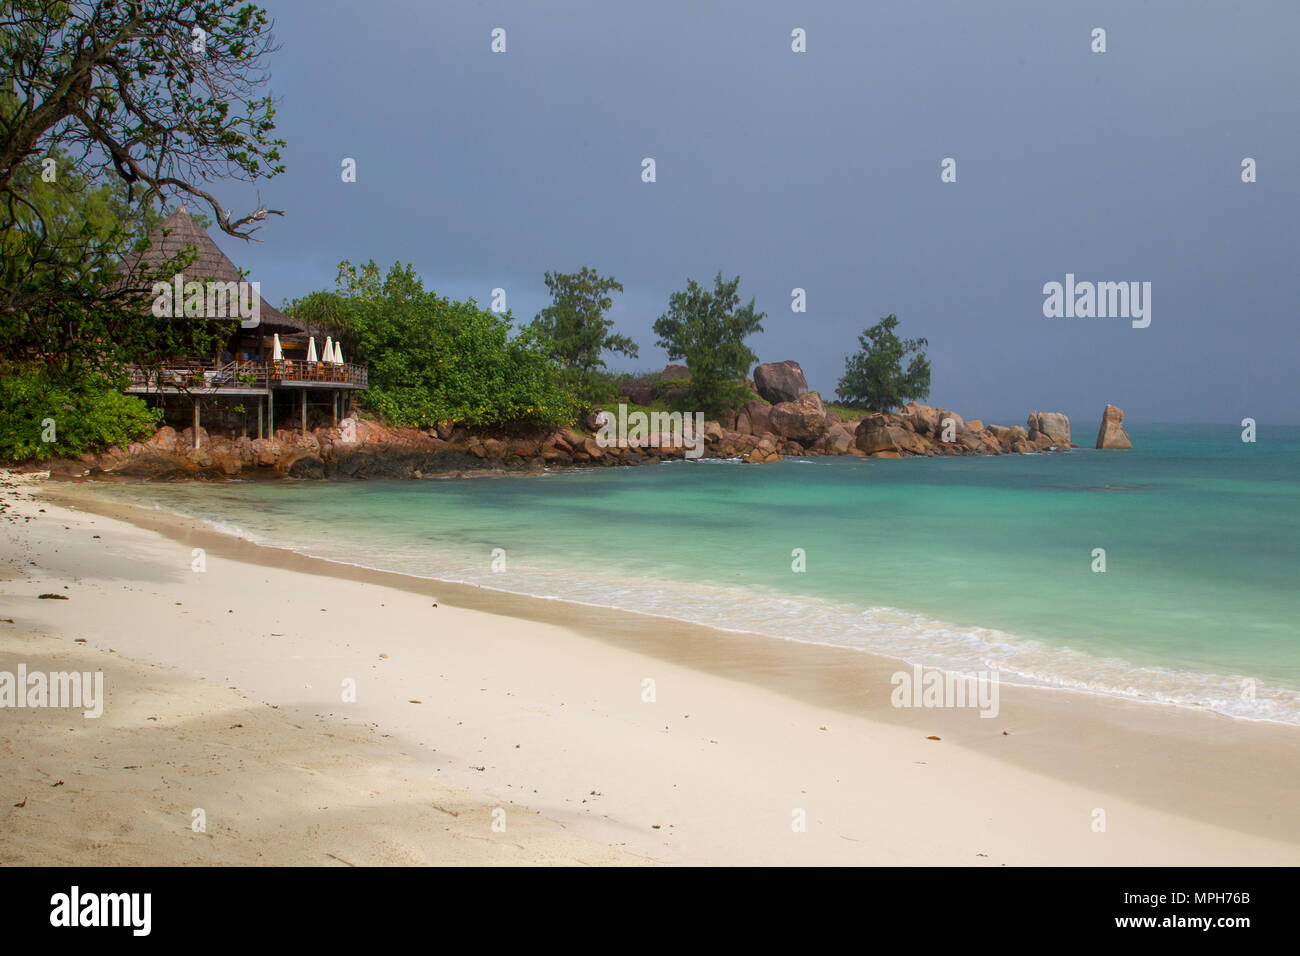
[(276, 354), (329, 350), (311, 350), (338, 354)]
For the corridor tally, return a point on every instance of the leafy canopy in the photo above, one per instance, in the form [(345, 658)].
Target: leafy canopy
[(874, 376), (708, 329), (574, 330), (433, 360), (72, 314), (43, 417), (108, 110), (164, 94)]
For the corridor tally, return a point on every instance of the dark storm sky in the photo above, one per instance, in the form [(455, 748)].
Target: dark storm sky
[(821, 170)]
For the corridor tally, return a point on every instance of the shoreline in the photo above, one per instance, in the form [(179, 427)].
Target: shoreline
[(1179, 770), (760, 432), (138, 512)]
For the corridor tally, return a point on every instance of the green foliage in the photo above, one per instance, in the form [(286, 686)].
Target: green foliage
[(160, 93), (847, 413), (874, 376), (601, 388), (321, 313), (708, 330), (106, 110), (87, 415), (573, 331), (433, 360), (61, 265)]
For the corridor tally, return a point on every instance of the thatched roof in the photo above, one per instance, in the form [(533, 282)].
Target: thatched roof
[(178, 232)]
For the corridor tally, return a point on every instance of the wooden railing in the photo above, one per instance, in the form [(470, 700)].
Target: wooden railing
[(207, 375), (299, 370)]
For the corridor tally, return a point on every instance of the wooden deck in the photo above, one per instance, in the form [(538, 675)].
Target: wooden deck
[(245, 378)]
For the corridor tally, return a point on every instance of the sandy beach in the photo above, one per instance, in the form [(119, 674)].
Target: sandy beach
[(489, 728)]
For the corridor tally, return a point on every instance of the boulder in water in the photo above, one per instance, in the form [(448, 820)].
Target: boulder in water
[(1112, 433), (1053, 426)]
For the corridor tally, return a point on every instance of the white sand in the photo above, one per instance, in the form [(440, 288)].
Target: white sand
[(545, 719)]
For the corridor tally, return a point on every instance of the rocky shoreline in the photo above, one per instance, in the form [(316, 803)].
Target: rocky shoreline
[(784, 419)]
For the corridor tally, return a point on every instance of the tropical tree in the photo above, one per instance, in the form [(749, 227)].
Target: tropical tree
[(108, 111), (433, 360), (322, 313), (71, 242), (574, 331), (874, 376), (161, 93), (708, 330)]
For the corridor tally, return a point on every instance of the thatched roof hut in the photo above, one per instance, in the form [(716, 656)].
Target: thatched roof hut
[(176, 234)]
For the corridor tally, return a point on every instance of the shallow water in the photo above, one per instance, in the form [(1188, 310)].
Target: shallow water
[(963, 563)]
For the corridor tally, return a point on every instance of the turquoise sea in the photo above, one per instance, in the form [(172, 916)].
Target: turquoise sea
[(963, 563)]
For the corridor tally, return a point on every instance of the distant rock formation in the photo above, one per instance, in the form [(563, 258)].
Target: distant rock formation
[(1112, 433), (873, 437), (639, 394), (755, 418), (801, 420), (764, 452), (780, 381), (671, 383), (795, 423), (1052, 425)]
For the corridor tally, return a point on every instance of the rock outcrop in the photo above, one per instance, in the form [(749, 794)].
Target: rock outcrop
[(1053, 426), (1112, 433), (780, 381), (639, 394), (669, 385), (801, 420), (797, 423), (763, 453), (873, 436), (755, 418)]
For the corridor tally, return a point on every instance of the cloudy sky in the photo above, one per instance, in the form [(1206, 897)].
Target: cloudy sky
[(821, 170)]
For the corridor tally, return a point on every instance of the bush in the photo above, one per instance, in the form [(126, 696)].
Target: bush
[(434, 360), (79, 415)]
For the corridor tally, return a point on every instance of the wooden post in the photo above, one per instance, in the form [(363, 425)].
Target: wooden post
[(334, 404), (270, 412), (196, 423), (259, 417), (304, 411)]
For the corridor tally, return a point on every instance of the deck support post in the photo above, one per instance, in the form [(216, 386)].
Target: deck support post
[(259, 418), (196, 423), (334, 405), (303, 402), (270, 412)]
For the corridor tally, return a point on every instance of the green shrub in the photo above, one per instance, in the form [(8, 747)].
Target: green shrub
[(79, 415), (434, 360)]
